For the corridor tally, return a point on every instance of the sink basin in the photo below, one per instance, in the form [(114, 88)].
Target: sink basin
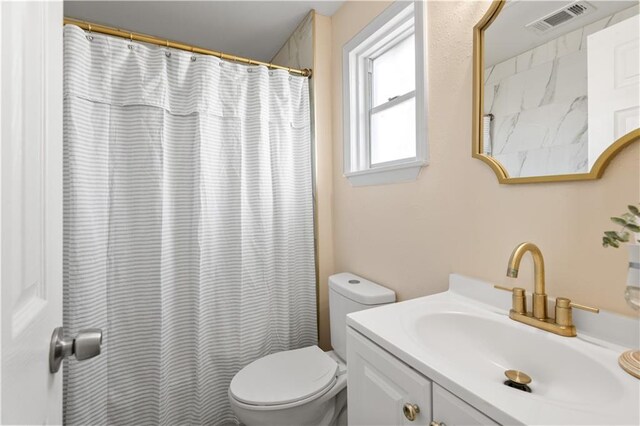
[(464, 340), (487, 347)]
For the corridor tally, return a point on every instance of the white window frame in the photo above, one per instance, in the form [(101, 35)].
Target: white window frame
[(398, 21)]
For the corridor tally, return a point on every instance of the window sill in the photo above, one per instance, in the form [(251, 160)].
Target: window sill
[(396, 173)]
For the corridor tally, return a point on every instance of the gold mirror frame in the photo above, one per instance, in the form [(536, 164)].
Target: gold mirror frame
[(601, 163)]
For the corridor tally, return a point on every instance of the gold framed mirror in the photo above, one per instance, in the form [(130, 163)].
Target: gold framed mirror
[(544, 77)]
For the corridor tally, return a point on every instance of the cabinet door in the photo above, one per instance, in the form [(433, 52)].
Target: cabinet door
[(450, 410), (379, 386)]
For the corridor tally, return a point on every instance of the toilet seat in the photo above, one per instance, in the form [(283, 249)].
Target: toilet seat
[(285, 377)]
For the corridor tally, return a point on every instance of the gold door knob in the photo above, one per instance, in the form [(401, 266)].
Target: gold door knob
[(410, 411)]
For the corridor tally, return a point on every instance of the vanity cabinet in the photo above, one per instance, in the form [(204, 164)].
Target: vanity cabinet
[(382, 390)]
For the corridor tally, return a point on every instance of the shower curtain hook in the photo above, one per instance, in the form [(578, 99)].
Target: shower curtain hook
[(89, 36), (130, 45), (193, 56), (167, 53)]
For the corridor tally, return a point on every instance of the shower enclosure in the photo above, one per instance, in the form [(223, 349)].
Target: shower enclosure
[(188, 226)]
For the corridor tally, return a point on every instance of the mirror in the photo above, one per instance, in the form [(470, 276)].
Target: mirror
[(556, 87)]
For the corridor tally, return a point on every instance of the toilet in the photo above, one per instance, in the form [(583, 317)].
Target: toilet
[(306, 386)]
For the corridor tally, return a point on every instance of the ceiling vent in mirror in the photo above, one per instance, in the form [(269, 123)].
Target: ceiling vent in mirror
[(561, 16)]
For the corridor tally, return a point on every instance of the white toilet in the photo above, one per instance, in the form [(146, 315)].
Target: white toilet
[(306, 386)]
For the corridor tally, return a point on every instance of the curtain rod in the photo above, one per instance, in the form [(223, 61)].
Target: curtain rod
[(117, 32)]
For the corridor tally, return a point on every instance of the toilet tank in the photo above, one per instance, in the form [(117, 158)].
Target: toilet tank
[(351, 293)]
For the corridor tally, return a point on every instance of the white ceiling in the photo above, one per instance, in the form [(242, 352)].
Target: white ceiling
[(507, 36), (253, 29)]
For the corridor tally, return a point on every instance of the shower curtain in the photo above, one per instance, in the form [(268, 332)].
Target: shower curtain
[(188, 227)]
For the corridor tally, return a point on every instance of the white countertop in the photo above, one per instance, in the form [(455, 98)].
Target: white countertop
[(565, 393)]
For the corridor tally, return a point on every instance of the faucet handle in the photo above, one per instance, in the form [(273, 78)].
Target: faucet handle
[(517, 291), (519, 298), (563, 302), (564, 317), (585, 308)]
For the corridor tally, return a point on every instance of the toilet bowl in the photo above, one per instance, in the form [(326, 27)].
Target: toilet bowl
[(306, 386)]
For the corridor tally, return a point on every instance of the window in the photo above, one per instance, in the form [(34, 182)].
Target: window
[(384, 98)]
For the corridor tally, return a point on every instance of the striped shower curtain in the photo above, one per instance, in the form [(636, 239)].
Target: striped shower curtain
[(188, 227)]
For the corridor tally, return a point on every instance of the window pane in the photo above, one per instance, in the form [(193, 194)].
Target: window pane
[(394, 72), (393, 133)]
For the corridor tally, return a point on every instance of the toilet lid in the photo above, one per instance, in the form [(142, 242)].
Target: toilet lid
[(284, 377)]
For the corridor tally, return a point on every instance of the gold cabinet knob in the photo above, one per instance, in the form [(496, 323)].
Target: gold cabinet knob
[(410, 411), (434, 423)]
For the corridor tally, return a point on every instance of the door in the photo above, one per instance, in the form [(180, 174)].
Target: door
[(613, 65), (382, 390), (31, 212)]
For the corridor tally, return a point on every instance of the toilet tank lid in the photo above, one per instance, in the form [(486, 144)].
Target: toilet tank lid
[(360, 290)]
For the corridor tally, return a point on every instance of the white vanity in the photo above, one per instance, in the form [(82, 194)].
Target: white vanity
[(441, 360)]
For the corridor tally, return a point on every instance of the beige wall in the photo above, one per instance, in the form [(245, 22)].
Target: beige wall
[(456, 217)]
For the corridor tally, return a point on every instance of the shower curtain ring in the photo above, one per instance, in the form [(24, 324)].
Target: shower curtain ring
[(130, 41), (89, 36), (167, 53)]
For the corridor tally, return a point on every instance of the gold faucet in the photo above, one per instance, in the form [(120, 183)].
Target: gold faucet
[(539, 295), (562, 324)]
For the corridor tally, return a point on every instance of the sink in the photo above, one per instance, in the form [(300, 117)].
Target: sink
[(486, 347), (464, 340)]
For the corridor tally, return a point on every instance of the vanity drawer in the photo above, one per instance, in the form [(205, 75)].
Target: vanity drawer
[(450, 410)]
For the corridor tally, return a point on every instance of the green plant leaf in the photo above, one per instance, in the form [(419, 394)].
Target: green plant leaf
[(633, 227), (628, 217), (630, 223), (608, 241), (619, 236), (619, 221)]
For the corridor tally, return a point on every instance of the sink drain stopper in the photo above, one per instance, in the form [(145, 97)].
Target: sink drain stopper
[(518, 380)]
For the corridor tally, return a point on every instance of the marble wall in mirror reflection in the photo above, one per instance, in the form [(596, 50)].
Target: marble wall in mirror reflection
[(539, 103)]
